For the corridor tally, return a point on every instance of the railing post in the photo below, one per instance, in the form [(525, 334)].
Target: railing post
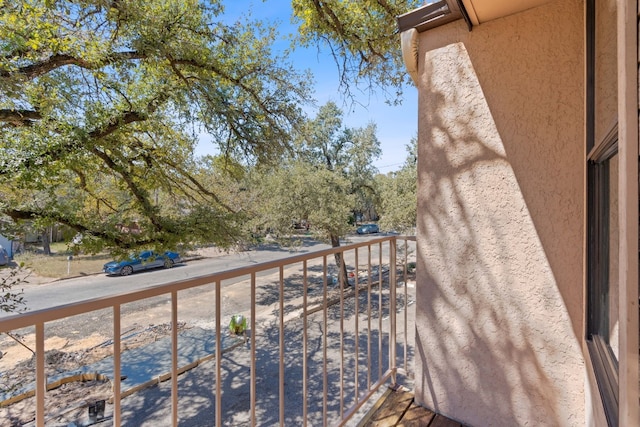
[(41, 377), (406, 304), (174, 358), (117, 365), (253, 350), (218, 315), (341, 377), (392, 308), (369, 317), (325, 309), (305, 338), (357, 330), (281, 346), (380, 309)]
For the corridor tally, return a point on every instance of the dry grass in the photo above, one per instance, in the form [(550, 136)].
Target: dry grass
[(57, 265)]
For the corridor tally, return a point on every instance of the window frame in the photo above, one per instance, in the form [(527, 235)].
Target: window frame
[(604, 362), (600, 153)]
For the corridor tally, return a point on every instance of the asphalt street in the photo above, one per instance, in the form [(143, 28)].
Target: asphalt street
[(82, 288)]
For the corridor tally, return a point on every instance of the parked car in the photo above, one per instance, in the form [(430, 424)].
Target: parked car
[(144, 260), (4, 256), (368, 229)]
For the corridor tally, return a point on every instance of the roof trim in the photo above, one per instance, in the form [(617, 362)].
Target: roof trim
[(433, 15)]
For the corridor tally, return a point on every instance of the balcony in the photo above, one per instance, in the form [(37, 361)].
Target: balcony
[(313, 352)]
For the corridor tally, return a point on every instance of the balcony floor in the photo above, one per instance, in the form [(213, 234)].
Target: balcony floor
[(397, 408)]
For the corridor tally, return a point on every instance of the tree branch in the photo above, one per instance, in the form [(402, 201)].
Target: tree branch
[(138, 192), (116, 239), (53, 62), (19, 117)]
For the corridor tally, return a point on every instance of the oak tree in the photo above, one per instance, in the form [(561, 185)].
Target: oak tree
[(397, 193), (321, 183), (103, 101), (363, 38)]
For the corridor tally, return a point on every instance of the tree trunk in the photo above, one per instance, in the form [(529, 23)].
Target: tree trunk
[(342, 266), (46, 247)]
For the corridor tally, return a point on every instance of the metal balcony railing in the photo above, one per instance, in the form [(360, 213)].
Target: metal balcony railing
[(314, 353)]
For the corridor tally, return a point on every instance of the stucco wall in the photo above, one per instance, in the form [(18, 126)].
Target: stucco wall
[(500, 219)]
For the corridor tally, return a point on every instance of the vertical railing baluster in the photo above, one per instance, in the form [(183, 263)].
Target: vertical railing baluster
[(41, 376), (174, 358), (392, 308), (305, 338), (356, 334), (406, 304), (380, 311), (117, 365), (218, 306), (325, 379), (369, 317), (341, 292), (253, 350), (281, 346)]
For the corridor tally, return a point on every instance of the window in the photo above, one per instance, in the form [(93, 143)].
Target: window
[(602, 193), (603, 321)]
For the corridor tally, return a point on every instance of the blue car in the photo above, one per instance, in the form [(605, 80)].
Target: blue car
[(368, 229), (145, 260)]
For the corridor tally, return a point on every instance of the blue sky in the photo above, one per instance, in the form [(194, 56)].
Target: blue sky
[(396, 125)]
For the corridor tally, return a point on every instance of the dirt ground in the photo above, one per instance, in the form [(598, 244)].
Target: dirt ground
[(17, 367), (69, 400)]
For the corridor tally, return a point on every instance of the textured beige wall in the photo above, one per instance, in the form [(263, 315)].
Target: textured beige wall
[(500, 219)]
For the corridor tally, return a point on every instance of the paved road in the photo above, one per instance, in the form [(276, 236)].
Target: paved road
[(89, 287), (40, 296)]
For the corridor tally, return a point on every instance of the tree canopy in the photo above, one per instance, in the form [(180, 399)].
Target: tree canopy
[(321, 182), (103, 101), (301, 192), (397, 193), (362, 37)]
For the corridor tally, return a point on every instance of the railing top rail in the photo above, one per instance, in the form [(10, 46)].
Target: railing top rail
[(22, 320)]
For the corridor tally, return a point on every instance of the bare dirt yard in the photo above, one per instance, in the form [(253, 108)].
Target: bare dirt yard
[(64, 356)]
